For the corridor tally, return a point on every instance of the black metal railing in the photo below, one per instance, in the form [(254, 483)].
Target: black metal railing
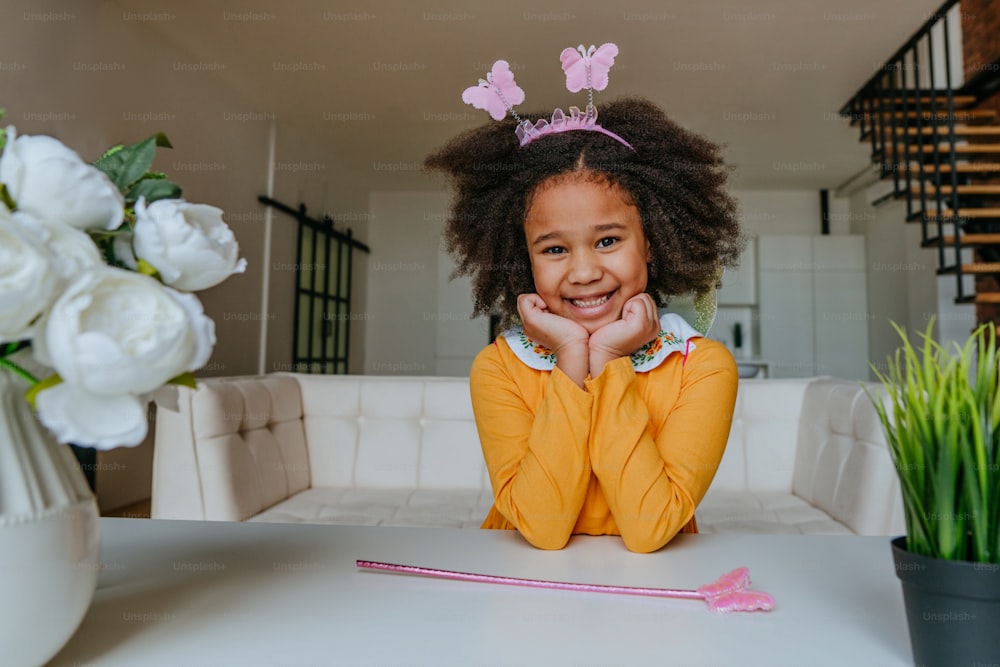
[(898, 110), (324, 260)]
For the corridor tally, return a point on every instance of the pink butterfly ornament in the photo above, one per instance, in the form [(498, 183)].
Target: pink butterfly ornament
[(741, 601), (497, 94), (588, 68), (731, 592), (732, 582)]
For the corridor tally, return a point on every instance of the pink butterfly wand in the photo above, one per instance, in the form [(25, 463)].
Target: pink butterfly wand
[(730, 592)]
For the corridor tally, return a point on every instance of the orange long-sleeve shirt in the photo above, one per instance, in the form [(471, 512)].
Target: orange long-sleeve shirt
[(630, 454)]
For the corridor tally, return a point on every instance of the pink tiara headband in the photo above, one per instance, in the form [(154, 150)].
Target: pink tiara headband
[(584, 68)]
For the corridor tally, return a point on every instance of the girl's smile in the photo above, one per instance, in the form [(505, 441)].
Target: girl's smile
[(587, 248)]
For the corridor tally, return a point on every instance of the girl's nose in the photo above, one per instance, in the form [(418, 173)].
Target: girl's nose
[(586, 268)]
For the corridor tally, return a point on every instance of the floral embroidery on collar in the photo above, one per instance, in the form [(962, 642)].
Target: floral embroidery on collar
[(675, 335)]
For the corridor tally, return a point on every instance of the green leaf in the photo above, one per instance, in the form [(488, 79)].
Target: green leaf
[(111, 151), (153, 189), (941, 417), (126, 164), (5, 197), (184, 380), (162, 141)]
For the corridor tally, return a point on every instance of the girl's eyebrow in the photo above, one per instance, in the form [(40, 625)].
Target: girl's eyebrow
[(608, 226), (604, 227), (545, 237)]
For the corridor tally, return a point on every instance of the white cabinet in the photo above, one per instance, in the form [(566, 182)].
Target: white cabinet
[(785, 314), (739, 285), (813, 312), (840, 306)]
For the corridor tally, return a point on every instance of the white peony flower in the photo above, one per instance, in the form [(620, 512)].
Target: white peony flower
[(115, 332), (28, 280), (49, 181), (74, 251), (190, 245), (92, 420), (121, 246)]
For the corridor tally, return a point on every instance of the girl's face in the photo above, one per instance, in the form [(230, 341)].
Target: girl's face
[(588, 252)]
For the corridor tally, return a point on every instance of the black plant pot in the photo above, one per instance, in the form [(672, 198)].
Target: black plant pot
[(952, 609)]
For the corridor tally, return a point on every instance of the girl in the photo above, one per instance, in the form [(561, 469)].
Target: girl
[(595, 415)]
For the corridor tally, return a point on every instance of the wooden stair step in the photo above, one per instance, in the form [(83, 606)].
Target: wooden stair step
[(967, 168), (946, 147), (959, 115), (966, 213), (926, 99), (976, 189), (987, 297), (981, 267), (967, 240), (964, 130)]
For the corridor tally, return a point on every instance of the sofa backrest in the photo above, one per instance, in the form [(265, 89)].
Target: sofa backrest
[(236, 446), (391, 432), (820, 439), (760, 453), (229, 449), (843, 465)]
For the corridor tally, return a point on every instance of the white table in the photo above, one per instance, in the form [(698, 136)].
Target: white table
[(182, 593)]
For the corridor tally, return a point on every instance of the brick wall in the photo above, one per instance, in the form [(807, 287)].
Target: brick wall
[(981, 40), (980, 47), (980, 34)]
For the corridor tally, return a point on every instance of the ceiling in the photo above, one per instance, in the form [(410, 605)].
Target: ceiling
[(378, 84)]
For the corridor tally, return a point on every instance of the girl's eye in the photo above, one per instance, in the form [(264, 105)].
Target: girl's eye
[(554, 250), (608, 242)]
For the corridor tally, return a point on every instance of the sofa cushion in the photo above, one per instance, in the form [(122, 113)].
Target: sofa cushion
[(763, 512), (382, 507)]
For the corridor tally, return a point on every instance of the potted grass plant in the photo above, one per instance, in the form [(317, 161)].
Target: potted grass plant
[(940, 410)]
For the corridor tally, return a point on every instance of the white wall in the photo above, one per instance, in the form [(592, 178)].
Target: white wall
[(419, 319), (83, 73), (903, 285)]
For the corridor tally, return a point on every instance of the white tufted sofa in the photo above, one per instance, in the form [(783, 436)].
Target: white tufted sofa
[(804, 456)]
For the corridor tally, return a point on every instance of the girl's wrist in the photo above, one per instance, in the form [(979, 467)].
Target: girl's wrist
[(599, 358), (574, 361)]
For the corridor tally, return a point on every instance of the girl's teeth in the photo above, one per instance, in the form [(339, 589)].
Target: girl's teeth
[(591, 302)]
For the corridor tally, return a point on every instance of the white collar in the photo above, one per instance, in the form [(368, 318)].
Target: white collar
[(675, 336)]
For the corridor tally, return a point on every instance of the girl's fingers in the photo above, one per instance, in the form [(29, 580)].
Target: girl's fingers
[(651, 308), (530, 301), (640, 305)]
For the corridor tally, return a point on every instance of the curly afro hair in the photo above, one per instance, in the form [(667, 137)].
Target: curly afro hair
[(675, 178)]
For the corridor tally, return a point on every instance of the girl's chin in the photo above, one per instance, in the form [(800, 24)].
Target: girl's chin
[(593, 324)]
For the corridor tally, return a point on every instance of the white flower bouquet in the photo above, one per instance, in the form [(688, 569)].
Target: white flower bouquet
[(96, 262)]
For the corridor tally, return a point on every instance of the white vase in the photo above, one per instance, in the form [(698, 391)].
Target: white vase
[(49, 536)]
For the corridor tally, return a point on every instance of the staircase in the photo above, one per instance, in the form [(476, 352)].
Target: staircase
[(940, 147)]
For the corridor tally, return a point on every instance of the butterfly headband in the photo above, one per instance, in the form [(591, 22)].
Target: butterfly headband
[(584, 68)]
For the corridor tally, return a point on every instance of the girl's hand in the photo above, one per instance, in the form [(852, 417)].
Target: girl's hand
[(561, 335), (552, 331), (638, 325)]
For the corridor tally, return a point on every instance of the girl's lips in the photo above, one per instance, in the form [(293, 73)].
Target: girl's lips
[(591, 305)]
